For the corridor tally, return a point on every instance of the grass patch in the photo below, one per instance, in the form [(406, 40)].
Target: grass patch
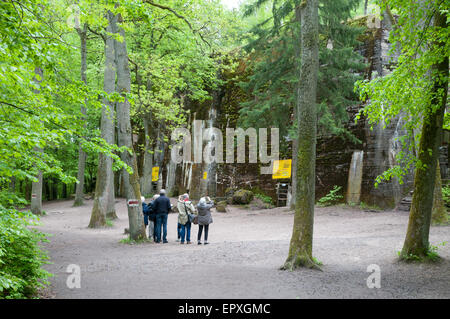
[(431, 255), (365, 206), (317, 262), (264, 198)]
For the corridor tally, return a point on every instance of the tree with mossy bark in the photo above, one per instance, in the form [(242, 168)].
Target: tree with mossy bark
[(131, 178), (417, 87), (104, 188), (417, 242), (82, 33), (36, 186), (300, 250)]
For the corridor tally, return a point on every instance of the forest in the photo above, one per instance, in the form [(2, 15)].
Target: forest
[(92, 93)]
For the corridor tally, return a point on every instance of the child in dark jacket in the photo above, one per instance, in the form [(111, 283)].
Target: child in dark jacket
[(145, 210), (152, 219)]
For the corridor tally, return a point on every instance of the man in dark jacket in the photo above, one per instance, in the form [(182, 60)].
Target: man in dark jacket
[(162, 207)]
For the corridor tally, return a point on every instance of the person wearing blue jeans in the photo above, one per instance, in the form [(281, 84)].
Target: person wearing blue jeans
[(185, 232), (162, 207), (161, 222), (185, 208), (179, 231)]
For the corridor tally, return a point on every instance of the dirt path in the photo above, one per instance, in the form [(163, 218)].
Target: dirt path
[(242, 261)]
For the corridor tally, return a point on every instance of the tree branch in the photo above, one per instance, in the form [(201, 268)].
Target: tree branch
[(96, 33), (178, 16)]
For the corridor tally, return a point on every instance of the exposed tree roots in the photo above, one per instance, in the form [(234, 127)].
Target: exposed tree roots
[(78, 202), (112, 215), (300, 261), (97, 221)]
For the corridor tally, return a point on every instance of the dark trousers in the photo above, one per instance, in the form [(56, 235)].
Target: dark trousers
[(179, 230), (161, 221), (185, 230), (200, 230)]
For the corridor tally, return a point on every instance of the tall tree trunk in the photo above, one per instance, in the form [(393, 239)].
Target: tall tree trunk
[(81, 154), (159, 153), (27, 189), (103, 199), (36, 187), (366, 2), (36, 193), (111, 205), (439, 214), (416, 241), (294, 169), (45, 190), (146, 179), (132, 187), (64, 191), (300, 250), (12, 185), (54, 188), (295, 120)]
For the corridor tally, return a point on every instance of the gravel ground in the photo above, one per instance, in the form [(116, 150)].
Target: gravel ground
[(246, 249)]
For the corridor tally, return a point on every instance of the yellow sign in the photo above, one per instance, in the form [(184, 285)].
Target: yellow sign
[(282, 169), (205, 175), (155, 174)]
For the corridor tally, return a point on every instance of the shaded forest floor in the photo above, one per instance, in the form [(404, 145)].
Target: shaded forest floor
[(246, 249)]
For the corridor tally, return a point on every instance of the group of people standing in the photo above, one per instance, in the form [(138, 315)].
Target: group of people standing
[(157, 211)]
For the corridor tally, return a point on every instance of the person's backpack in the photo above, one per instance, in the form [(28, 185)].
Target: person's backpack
[(151, 211), (150, 207)]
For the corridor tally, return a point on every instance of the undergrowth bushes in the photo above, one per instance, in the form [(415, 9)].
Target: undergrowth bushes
[(21, 258)]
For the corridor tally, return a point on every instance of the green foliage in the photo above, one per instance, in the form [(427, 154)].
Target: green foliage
[(109, 223), (410, 257), (266, 199), (272, 58), (332, 197), (43, 111), (446, 195), (175, 58), (21, 258), (317, 262), (407, 91), (431, 255), (10, 199)]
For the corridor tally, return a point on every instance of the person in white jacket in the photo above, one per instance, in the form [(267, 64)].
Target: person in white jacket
[(185, 207)]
